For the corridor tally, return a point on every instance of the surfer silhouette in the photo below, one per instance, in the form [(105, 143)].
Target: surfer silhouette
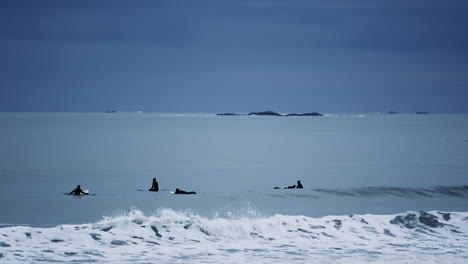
[(177, 191), (290, 187), (78, 191), (299, 185), (155, 186)]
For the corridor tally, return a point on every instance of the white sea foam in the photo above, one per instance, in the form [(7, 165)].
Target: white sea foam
[(170, 236)]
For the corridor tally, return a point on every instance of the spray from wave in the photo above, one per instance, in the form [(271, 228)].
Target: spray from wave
[(171, 236)]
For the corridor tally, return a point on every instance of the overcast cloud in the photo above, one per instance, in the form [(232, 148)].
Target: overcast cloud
[(211, 56)]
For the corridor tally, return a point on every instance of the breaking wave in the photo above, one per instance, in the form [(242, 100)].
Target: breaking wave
[(170, 236), (436, 191)]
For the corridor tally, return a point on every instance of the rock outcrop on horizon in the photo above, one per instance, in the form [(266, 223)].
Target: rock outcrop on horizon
[(229, 114), (270, 113), (304, 114)]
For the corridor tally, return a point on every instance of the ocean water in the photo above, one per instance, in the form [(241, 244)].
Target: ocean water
[(377, 188)]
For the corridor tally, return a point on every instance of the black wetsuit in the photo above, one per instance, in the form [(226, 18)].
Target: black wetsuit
[(299, 185), (78, 191), (177, 191), (155, 187)]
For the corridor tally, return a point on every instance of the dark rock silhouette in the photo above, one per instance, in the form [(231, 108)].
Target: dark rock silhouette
[(311, 114), (228, 114), (270, 113), (304, 114), (267, 113)]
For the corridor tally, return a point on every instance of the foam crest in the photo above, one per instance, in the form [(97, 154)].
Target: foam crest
[(170, 236)]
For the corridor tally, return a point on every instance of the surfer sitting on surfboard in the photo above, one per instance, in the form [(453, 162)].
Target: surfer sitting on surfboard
[(78, 191), (155, 186), (299, 185)]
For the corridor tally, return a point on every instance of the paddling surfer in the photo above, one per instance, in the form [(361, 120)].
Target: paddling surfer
[(177, 191)]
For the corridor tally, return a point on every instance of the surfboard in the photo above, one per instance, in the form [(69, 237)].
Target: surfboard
[(161, 190), (81, 195)]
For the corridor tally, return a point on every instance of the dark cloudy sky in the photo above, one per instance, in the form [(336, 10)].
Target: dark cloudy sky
[(239, 56)]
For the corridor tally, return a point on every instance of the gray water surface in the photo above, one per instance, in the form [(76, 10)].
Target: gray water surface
[(233, 163)]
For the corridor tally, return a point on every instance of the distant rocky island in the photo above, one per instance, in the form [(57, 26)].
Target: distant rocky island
[(229, 114), (418, 113), (270, 113)]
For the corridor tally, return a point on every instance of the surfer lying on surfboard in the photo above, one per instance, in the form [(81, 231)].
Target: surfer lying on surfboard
[(177, 191)]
